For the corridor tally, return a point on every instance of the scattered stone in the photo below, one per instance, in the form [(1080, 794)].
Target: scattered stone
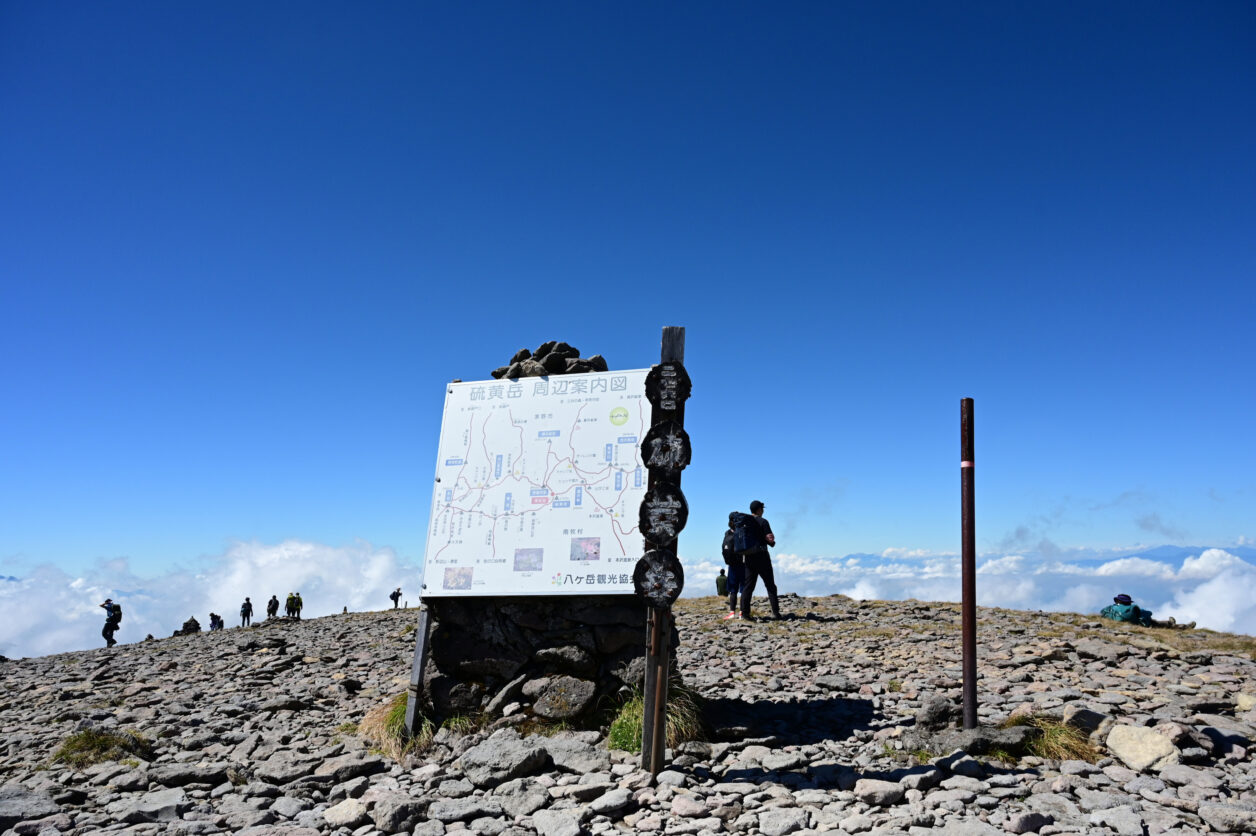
[(1141, 748)]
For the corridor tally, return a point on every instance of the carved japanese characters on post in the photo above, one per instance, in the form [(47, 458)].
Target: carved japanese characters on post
[(664, 513), (667, 386), (658, 578), (666, 447)]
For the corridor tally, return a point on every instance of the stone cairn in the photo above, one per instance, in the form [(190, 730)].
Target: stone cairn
[(550, 358), (551, 658)]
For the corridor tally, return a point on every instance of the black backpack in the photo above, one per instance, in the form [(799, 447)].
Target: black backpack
[(116, 615), (747, 535)]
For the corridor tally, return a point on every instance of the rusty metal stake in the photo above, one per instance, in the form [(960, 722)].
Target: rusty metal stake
[(968, 617)]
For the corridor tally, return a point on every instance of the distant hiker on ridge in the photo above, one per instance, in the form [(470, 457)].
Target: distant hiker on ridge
[(721, 584), (215, 622), (272, 606), (290, 605), (396, 596), (113, 619), (246, 612), (297, 604)]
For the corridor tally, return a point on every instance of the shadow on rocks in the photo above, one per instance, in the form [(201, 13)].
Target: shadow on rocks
[(790, 723)]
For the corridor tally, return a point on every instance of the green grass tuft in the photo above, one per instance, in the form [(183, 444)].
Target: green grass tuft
[(89, 746), (1054, 740), (385, 726), (684, 719)]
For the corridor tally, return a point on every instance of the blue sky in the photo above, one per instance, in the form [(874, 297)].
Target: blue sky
[(243, 246)]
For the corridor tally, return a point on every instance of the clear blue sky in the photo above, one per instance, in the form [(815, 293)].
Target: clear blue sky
[(242, 246)]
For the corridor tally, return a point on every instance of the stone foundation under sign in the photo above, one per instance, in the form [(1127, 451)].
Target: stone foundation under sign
[(556, 658)]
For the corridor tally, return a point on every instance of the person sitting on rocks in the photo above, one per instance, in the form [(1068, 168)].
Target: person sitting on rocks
[(1123, 608), (215, 622)]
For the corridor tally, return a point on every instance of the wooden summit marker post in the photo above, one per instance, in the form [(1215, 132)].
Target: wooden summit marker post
[(658, 577)]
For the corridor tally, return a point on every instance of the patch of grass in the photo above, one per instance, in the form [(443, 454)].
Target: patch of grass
[(1054, 740), (459, 724), (894, 686), (385, 726), (684, 719), (347, 728), (89, 746), (922, 756)]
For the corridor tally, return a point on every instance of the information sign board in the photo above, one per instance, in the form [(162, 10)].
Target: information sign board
[(539, 482)]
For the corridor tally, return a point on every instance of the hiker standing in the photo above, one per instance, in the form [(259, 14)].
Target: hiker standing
[(396, 596), (272, 606), (736, 564), (246, 612), (290, 606), (721, 584), (759, 565), (297, 603), (113, 619)]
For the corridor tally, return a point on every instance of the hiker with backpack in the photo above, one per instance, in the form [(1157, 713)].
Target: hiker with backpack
[(1123, 608), (395, 596), (272, 606), (297, 603), (736, 560), (752, 536), (290, 605), (113, 620), (246, 612)]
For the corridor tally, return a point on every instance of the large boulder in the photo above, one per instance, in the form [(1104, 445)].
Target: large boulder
[(502, 757), (564, 697), (1141, 748)]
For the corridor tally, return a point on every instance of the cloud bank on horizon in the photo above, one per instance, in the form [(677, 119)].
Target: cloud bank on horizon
[(48, 611), (1210, 588)]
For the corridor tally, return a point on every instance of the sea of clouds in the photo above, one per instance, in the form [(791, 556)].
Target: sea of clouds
[(49, 611), (1211, 588)]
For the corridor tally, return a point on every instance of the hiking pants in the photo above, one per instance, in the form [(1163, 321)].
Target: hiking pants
[(245, 619), (736, 576), (759, 565)]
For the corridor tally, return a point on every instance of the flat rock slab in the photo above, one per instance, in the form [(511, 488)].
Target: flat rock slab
[(20, 804)]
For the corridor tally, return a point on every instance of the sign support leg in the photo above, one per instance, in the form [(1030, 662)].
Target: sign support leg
[(415, 692)]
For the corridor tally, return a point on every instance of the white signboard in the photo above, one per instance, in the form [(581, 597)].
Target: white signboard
[(539, 483)]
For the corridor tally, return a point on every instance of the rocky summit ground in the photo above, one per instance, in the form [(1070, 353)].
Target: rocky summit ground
[(828, 721)]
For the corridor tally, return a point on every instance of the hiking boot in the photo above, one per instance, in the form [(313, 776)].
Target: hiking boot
[(730, 615)]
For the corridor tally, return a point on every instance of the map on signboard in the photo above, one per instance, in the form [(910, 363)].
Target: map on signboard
[(539, 483)]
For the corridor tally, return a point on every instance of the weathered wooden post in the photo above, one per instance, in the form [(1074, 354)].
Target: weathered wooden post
[(658, 577), (414, 692), (968, 616)]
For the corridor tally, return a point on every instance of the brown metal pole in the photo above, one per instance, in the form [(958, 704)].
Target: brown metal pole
[(968, 617)]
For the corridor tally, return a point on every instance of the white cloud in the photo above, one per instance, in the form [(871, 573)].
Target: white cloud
[(1011, 565), (49, 611), (1136, 566), (1212, 563), (1208, 588)]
